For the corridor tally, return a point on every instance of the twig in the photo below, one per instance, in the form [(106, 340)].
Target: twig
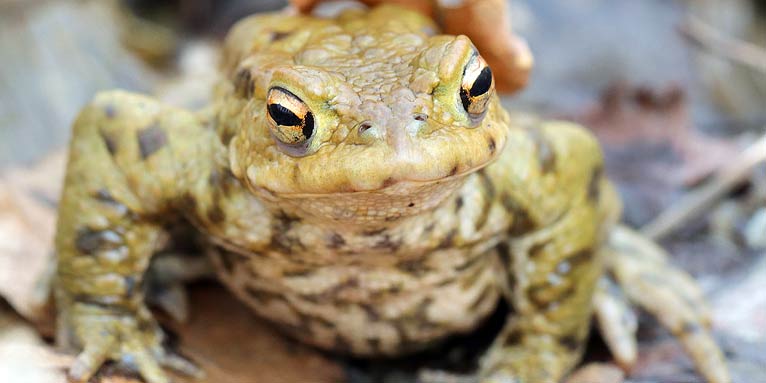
[(698, 201), (733, 49)]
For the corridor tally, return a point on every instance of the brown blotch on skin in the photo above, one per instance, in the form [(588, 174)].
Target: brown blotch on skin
[(89, 241), (486, 184), (109, 142), (458, 203), (570, 342), (415, 267), (373, 232), (372, 314), (229, 260), (336, 241), (546, 156), (580, 257), (276, 35), (521, 223), (243, 83), (594, 185), (297, 272), (388, 182), (187, 203), (262, 296), (453, 171), (512, 338), (537, 295), (386, 243), (448, 241), (536, 250), (215, 214), (150, 140), (491, 145)]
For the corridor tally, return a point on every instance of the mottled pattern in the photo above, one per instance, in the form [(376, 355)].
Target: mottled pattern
[(399, 215)]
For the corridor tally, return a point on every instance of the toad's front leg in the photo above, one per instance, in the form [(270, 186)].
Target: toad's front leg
[(554, 251), (131, 165), (553, 278)]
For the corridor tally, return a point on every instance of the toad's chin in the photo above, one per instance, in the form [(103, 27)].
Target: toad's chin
[(368, 208)]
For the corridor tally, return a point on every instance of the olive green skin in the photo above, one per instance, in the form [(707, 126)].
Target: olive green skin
[(374, 241)]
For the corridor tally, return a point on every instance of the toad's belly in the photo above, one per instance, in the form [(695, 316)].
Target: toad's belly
[(367, 310)]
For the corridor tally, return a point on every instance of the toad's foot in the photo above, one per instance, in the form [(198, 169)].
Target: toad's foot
[(641, 269), (132, 340)]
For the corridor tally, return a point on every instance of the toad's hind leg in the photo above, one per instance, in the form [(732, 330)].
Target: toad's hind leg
[(641, 269)]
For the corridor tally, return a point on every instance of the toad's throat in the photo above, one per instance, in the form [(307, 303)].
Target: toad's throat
[(368, 208)]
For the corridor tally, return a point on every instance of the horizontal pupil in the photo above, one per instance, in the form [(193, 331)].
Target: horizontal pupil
[(482, 83), (283, 116)]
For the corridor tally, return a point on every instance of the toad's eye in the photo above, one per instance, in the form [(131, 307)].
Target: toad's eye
[(476, 88), (290, 119)]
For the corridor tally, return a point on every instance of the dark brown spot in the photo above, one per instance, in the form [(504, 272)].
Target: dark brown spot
[(521, 223), (342, 345), (594, 185), (491, 145), (336, 241), (331, 294), (187, 203), (263, 296), (386, 243), (89, 241), (458, 203), (215, 214), (150, 140), (570, 342), (544, 297), (388, 182), (373, 232), (512, 338), (229, 260), (411, 204), (109, 142), (538, 249), (243, 83), (579, 258), (487, 187), (448, 241), (297, 272), (372, 314), (453, 171), (546, 156), (416, 267), (277, 35)]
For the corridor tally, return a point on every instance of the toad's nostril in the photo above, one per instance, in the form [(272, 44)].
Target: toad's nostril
[(420, 116), (363, 127)]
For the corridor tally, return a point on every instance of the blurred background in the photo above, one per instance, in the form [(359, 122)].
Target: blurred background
[(675, 90)]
